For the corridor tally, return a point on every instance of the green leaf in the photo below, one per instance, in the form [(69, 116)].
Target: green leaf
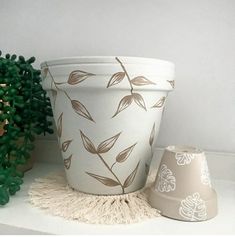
[(4, 196), (13, 189)]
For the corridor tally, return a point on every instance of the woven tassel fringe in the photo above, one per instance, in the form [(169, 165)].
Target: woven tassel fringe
[(53, 194)]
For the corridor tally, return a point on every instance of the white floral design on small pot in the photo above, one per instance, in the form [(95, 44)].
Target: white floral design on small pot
[(166, 180), (183, 158), (205, 174), (193, 208)]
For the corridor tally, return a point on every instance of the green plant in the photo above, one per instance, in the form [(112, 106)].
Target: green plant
[(24, 111)]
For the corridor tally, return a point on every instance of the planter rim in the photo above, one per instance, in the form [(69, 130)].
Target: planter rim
[(107, 60), (184, 149)]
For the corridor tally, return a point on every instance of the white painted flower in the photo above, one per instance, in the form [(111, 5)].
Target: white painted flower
[(193, 208), (166, 180), (184, 158), (205, 174)]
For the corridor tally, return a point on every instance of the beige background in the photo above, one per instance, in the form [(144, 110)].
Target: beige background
[(198, 36)]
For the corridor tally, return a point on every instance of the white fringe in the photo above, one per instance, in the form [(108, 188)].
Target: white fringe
[(53, 194)]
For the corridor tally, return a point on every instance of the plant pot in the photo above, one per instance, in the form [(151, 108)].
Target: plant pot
[(182, 189), (107, 111), (29, 163)]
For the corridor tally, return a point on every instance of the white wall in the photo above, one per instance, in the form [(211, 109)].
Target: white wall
[(197, 35)]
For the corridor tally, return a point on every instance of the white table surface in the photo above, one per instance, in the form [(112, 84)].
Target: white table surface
[(19, 213)]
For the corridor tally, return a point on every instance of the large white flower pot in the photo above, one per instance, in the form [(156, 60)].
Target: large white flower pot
[(107, 111)]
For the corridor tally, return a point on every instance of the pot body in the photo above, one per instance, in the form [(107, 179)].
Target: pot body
[(29, 163), (182, 188), (107, 112)]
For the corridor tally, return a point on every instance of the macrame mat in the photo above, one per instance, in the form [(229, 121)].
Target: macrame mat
[(53, 194)]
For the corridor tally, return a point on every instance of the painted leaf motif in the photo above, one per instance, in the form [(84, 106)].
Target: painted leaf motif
[(147, 167), (78, 76), (123, 155), (205, 174), (106, 145), (59, 83), (123, 104), (183, 158), (65, 145), (54, 96), (160, 103), (139, 100), (104, 180), (141, 81), (172, 83), (166, 180), (67, 162), (59, 125), (193, 208), (151, 139), (116, 78), (89, 146), (44, 72), (80, 109), (129, 180)]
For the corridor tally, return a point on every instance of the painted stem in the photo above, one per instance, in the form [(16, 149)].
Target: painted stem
[(56, 84), (127, 75), (113, 165), (67, 95), (102, 159), (52, 78)]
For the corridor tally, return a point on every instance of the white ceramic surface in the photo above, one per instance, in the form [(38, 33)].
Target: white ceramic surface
[(107, 112)]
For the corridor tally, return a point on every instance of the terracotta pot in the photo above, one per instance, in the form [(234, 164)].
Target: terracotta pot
[(107, 111), (182, 189), (30, 162)]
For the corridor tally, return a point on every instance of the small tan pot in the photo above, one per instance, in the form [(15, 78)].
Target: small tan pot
[(182, 189)]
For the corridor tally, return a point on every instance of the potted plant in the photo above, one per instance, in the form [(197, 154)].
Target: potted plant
[(24, 112)]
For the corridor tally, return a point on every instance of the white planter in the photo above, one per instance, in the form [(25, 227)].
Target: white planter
[(107, 112)]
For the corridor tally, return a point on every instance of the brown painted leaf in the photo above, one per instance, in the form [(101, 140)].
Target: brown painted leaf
[(141, 81), (139, 100), (65, 145), (116, 78), (80, 109), (172, 83), (78, 76), (152, 135), (89, 146), (60, 83), (129, 180), (67, 162), (59, 125), (147, 168), (106, 145), (44, 72), (123, 155), (123, 104), (104, 180), (54, 96), (160, 102)]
